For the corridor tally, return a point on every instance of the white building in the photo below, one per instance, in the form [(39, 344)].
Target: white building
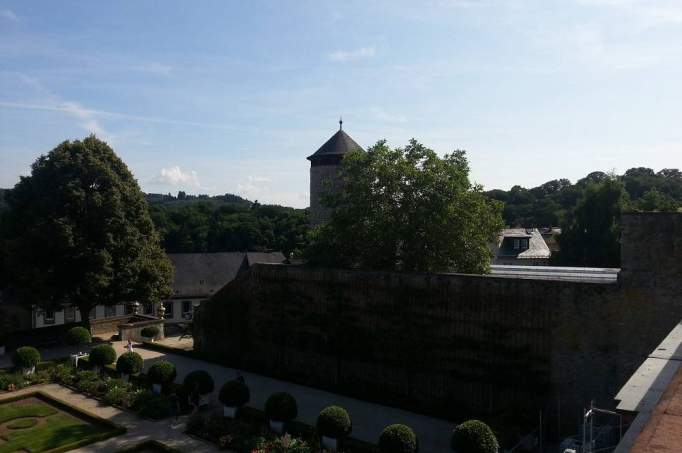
[(197, 277)]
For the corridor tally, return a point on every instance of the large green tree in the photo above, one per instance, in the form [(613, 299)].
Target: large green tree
[(77, 231), (407, 209), (591, 236)]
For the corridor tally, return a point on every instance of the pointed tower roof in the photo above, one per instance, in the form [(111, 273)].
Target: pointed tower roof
[(337, 145)]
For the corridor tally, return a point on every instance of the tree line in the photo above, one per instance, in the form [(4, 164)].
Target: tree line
[(552, 203), (226, 223)]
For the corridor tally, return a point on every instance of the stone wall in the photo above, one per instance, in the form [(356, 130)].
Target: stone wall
[(452, 345), (323, 179)]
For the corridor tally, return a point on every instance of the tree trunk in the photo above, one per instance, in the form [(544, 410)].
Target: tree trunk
[(84, 310)]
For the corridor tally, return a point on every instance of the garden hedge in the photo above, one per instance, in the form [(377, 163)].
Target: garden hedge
[(281, 407), (78, 335), (334, 422), (26, 357), (398, 439), (129, 363), (200, 378), (150, 331), (162, 372), (102, 355), (474, 436), (234, 394)]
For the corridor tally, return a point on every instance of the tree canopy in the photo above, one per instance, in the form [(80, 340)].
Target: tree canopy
[(407, 209), (591, 236), (78, 231), (551, 203), (226, 223)]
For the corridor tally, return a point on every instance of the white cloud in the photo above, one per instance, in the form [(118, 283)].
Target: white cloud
[(9, 15), (259, 179), (89, 122), (350, 55), (174, 176)]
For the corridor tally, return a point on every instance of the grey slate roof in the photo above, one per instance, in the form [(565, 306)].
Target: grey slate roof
[(203, 274), (537, 247), (338, 145)]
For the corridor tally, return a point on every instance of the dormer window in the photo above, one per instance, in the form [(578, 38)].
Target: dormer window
[(517, 244)]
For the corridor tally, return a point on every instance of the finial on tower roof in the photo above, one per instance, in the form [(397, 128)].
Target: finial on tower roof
[(340, 123)]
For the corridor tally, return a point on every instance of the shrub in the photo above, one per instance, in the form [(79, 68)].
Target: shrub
[(334, 422), (195, 423), (397, 439), (281, 407), (474, 436), (150, 331), (215, 426), (151, 405), (102, 355), (234, 394), (129, 363), (285, 443), (200, 378), (62, 374), (12, 381), (77, 336), (117, 396), (162, 372), (26, 357)]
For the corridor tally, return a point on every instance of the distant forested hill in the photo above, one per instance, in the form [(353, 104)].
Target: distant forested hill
[(551, 203), (225, 223)]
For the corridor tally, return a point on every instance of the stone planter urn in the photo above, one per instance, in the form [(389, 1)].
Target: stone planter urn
[(276, 426), (229, 411), (330, 442)]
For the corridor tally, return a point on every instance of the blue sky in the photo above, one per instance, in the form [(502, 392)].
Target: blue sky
[(228, 96)]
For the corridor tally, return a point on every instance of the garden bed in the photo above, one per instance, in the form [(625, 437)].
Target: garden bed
[(55, 427), (249, 432)]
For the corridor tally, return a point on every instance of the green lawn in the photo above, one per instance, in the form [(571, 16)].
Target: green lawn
[(54, 428)]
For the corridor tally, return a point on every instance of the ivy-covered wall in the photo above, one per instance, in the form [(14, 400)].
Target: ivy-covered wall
[(448, 345)]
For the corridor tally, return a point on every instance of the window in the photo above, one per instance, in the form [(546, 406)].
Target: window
[(187, 309), (524, 243), (109, 311), (93, 313), (69, 314), (202, 282), (169, 310), (517, 244), (48, 316), (148, 309)]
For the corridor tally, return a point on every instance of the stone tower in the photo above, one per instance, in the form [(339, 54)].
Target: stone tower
[(324, 172)]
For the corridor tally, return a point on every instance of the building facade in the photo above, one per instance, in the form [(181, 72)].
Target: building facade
[(197, 277)]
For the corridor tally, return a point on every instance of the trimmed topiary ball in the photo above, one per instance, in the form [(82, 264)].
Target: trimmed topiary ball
[(150, 331), (398, 439), (129, 363), (162, 372), (474, 436), (77, 336), (26, 357), (281, 407), (200, 378), (334, 422), (234, 394), (102, 355)]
